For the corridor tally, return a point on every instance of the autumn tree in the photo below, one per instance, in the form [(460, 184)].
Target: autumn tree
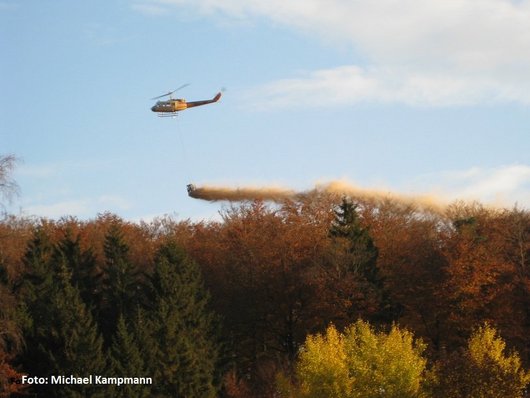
[(412, 263), (14, 231), (487, 273), (508, 236), (360, 363), (11, 340), (262, 265), (484, 369)]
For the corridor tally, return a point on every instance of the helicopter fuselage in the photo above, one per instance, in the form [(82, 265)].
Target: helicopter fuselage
[(171, 106)]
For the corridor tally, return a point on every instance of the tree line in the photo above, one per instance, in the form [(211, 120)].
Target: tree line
[(234, 308)]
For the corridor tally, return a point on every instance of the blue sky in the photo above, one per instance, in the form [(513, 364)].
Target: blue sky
[(407, 96)]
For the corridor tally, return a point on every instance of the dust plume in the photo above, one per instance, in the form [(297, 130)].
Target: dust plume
[(423, 202), (339, 188), (213, 193)]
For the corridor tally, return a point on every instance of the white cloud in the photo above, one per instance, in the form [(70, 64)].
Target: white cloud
[(81, 208), (436, 52), (149, 9), (38, 171), (504, 185), (55, 169), (351, 84), (114, 202), (78, 208)]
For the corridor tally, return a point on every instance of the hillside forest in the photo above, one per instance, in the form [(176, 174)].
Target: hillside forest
[(322, 296)]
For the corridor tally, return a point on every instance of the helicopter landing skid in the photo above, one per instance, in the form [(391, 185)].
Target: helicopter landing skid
[(168, 114)]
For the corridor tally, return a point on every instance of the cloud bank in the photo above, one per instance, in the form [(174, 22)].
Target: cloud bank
[(427, 53), (78, 207), (504, 186)]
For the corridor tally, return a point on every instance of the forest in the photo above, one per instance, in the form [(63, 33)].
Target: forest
[(322, 296)]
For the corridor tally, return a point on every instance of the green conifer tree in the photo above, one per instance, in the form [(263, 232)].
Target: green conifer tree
[(355, 259), (126, 361), (185, 358), (82, 266), (34, 292), (36, 260), (72, 343), (62, 337), (359, 244), (142, 332), (120, 283)]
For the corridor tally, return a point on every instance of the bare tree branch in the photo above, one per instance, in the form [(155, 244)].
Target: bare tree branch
[(8, 186)]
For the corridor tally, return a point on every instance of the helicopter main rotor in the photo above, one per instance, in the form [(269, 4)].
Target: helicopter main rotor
[(171, 92)]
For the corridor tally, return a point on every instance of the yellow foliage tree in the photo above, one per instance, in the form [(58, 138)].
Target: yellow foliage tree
[(323, 368), (483, 370), (360, 363)]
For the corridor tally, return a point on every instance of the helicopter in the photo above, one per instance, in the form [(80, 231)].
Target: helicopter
[(170, 107)]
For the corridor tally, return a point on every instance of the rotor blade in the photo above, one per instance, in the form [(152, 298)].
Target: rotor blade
[(163, 95), (181, 87), (171, 92)]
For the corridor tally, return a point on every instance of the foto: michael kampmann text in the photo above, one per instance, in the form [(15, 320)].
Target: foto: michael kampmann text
[(98, 379)]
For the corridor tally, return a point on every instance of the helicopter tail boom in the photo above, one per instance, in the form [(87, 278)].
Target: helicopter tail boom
[(204, 102)]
